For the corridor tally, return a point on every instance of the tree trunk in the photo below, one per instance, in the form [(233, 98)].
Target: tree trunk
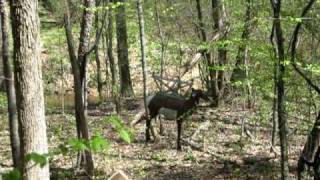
[(143, 56), (239, 73), (113, 68), (162, 46), (162, 63), (274, 108), (84, 40), (96, 50), (217, 78), (311, 150), (109, 43), (29, 89), (282, 119), (201, 23), (275, 100), (9, 83), (241, 70), (205, 54), (86, 26), (78, 65), (122, 46)]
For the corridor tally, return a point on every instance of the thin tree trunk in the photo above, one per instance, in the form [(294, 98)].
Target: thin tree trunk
[(275, 104), (205, 74), (201, 23), (79, 70), (162, 63), (162, 45), (218, 80), (113, 68), (143, 55), (274, 108), (97, 58), (311, 150), (105, 61), (62, 90), (29, 89), (86, 26), (282, 119), (205, 54), (9, 83), (99, 81), (122, 46), (240, 68)]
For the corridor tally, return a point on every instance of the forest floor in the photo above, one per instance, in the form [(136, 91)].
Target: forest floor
[(221, 153)]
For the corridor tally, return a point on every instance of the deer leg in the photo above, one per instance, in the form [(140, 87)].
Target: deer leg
[(161, 126), (153, 132), (179, 125), (148, 124)]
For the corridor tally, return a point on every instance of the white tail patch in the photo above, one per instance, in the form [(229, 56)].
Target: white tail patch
[(169, 114)]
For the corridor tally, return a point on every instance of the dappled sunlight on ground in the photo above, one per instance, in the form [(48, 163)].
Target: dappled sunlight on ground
[(223, 154)]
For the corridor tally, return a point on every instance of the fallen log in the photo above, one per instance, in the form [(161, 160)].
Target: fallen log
[(120, 175), (140, 116)]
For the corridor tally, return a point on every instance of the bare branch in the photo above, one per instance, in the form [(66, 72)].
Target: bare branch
[(294, 47), (96, 42)]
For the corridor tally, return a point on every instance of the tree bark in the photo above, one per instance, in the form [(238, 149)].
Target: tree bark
[(274, 107), (239, 72), (29, 89), (143, 56), (162, 63), (109, 43), (83, 49), (201, 23), (9, 83), (122, 46), (217, 78), (78, 65), (282, 119), (275, 100), (162, 46), (205, 54), (96, 50), (112, 64), (311, 150)]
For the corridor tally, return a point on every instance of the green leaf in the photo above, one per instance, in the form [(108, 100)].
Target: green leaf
[(115, 121), (123, 131), (125, 135), (294, 20), (78, 144), (286, 62), (38, 159), (12, 175), (98, 143)]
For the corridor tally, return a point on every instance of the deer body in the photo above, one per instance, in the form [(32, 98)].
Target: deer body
[(172, 108)]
